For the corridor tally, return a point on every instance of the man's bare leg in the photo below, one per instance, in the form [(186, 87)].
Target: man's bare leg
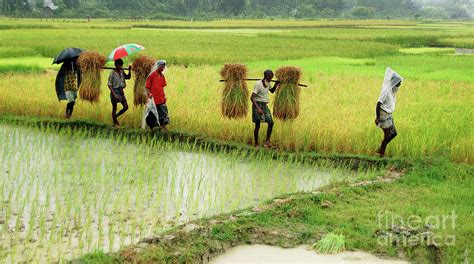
[(269, 135), (114, 114), (124, 109), (389, 135), (255, 133)]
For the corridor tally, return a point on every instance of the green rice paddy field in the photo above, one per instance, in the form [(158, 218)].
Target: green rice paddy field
[(66, 192), (342, 61)]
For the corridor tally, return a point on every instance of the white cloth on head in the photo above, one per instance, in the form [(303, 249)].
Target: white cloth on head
[(387, 96), (155, 67)]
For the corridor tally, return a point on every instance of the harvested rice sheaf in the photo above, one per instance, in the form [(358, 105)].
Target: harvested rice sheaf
[(287, 98), (141, 68), (91, 64), (235, 96)]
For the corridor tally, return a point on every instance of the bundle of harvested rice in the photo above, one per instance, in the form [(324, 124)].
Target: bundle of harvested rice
[(141, 67), (235, 97), (91, 64), (287, 99)]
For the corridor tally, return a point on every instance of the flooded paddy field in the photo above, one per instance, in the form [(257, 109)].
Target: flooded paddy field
[(68, 192)]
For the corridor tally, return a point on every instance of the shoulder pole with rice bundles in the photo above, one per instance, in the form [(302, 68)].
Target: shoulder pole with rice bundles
[(256, 79)]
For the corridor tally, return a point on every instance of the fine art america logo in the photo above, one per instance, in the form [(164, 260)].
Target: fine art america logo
[(413, 230)]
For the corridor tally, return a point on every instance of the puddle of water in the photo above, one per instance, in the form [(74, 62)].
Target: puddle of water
[(66, 194), (267, 254)]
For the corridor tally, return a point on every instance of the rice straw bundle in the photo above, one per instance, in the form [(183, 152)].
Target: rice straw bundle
[(235, 97), (91, 64), (287, 99), (141, 67)]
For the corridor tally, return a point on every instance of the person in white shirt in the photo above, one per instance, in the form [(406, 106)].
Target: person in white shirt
[(260, 110), (386, 106)]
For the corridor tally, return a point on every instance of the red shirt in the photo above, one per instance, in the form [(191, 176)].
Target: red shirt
[(156, 83)]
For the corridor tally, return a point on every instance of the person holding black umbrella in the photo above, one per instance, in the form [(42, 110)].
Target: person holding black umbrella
[(68, 79), (71, 85)]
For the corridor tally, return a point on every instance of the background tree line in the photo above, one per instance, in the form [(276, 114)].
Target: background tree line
[(214, 9)]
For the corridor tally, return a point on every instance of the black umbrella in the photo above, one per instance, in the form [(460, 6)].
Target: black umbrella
[(67, 54), (69, 58)]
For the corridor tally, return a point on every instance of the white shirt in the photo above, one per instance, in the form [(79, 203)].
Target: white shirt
[(261, 91), (387, 99), (387, 96)]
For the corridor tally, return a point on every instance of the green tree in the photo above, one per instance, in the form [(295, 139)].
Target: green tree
[(362, 12), (72, 4), (306, 11), (15, 6), (336, 5), (234, 7)]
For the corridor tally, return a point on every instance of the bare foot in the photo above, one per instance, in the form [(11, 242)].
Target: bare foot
[(257, 146), (380, 153), (67, 115), (116, 123), (267, 144)]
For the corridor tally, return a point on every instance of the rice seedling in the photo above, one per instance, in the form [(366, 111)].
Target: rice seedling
[(141, 68), (91, 64), (88, 200), (286, 104), (235, 96), (330, 244)]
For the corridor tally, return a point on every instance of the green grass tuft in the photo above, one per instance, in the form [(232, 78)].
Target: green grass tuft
[(96, 258), (330, 244)]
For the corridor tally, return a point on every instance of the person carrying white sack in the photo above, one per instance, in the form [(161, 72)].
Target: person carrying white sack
[(155, 85), (386, 106)]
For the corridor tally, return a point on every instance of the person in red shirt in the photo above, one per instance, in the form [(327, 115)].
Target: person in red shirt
[(155, 84)]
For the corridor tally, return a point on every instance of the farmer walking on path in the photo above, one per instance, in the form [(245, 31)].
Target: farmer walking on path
[(260, 110), (116, 85), (155, 84), (386, 107), (69, 80)]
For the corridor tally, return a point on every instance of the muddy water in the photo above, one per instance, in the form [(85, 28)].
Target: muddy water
[(66, 194), (260, 254)]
